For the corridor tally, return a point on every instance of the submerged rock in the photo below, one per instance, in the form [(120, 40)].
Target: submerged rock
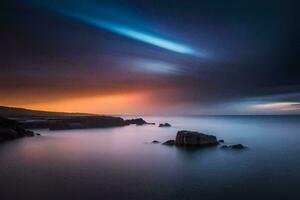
[(221, 141), (164, 125), (169, 142), (237, 146), (234, 146), (155, 141), (192, 138)]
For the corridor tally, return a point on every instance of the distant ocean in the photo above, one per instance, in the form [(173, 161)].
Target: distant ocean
[(122, 163)]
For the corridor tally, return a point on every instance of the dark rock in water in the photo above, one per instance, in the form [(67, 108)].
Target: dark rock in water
[(11, 129), (38, 134), (237, 146), (234, 146), (196, 139), (192, 138), (138, 121), (169, 142), (80, 122), (155, 141), (164, 125), (86, 122), (29, 133)]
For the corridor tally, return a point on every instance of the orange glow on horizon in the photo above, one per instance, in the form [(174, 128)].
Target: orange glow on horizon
[(131, 103)]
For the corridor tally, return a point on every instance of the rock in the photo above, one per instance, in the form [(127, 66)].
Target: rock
[(38, 134), (221, 141), (237, 146), (234, 146), (29, 133), (138, 122), (37, 124), (8, 133), (86, 122), (11, 129), (155, 141), (169, 142), (80, 122), (192, 138), (164, 125)]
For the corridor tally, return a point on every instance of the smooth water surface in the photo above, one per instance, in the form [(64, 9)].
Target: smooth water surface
[(121, 163)]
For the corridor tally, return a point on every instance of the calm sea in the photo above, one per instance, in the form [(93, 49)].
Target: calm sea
[(121, 163)]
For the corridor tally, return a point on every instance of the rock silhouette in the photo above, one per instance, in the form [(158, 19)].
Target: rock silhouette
[(169, 142), (164, 125), (192, 138), (11, 129)]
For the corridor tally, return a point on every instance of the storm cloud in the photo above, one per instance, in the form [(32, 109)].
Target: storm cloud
[(190, 57)]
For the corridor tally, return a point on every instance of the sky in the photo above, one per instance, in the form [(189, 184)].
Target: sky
[(151, 57)]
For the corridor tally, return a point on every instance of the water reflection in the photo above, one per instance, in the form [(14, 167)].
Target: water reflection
[(122, 163)]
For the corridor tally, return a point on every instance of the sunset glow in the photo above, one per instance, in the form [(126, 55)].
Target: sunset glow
[(141, 57), (109, 104)]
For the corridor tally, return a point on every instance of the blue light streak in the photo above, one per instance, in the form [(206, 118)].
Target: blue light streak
[(136, 35)]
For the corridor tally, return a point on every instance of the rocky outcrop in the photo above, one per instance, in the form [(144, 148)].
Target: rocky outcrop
[(37, 124), (192, 138), (169, 142), (195, 139), (138, 122), (80, 122), (86, 122), (164, 125), (11, 129)]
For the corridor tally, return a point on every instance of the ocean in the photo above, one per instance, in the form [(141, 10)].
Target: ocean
[(122, 163)]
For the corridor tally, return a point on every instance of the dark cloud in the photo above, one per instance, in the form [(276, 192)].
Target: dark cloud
[(253, 48)]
